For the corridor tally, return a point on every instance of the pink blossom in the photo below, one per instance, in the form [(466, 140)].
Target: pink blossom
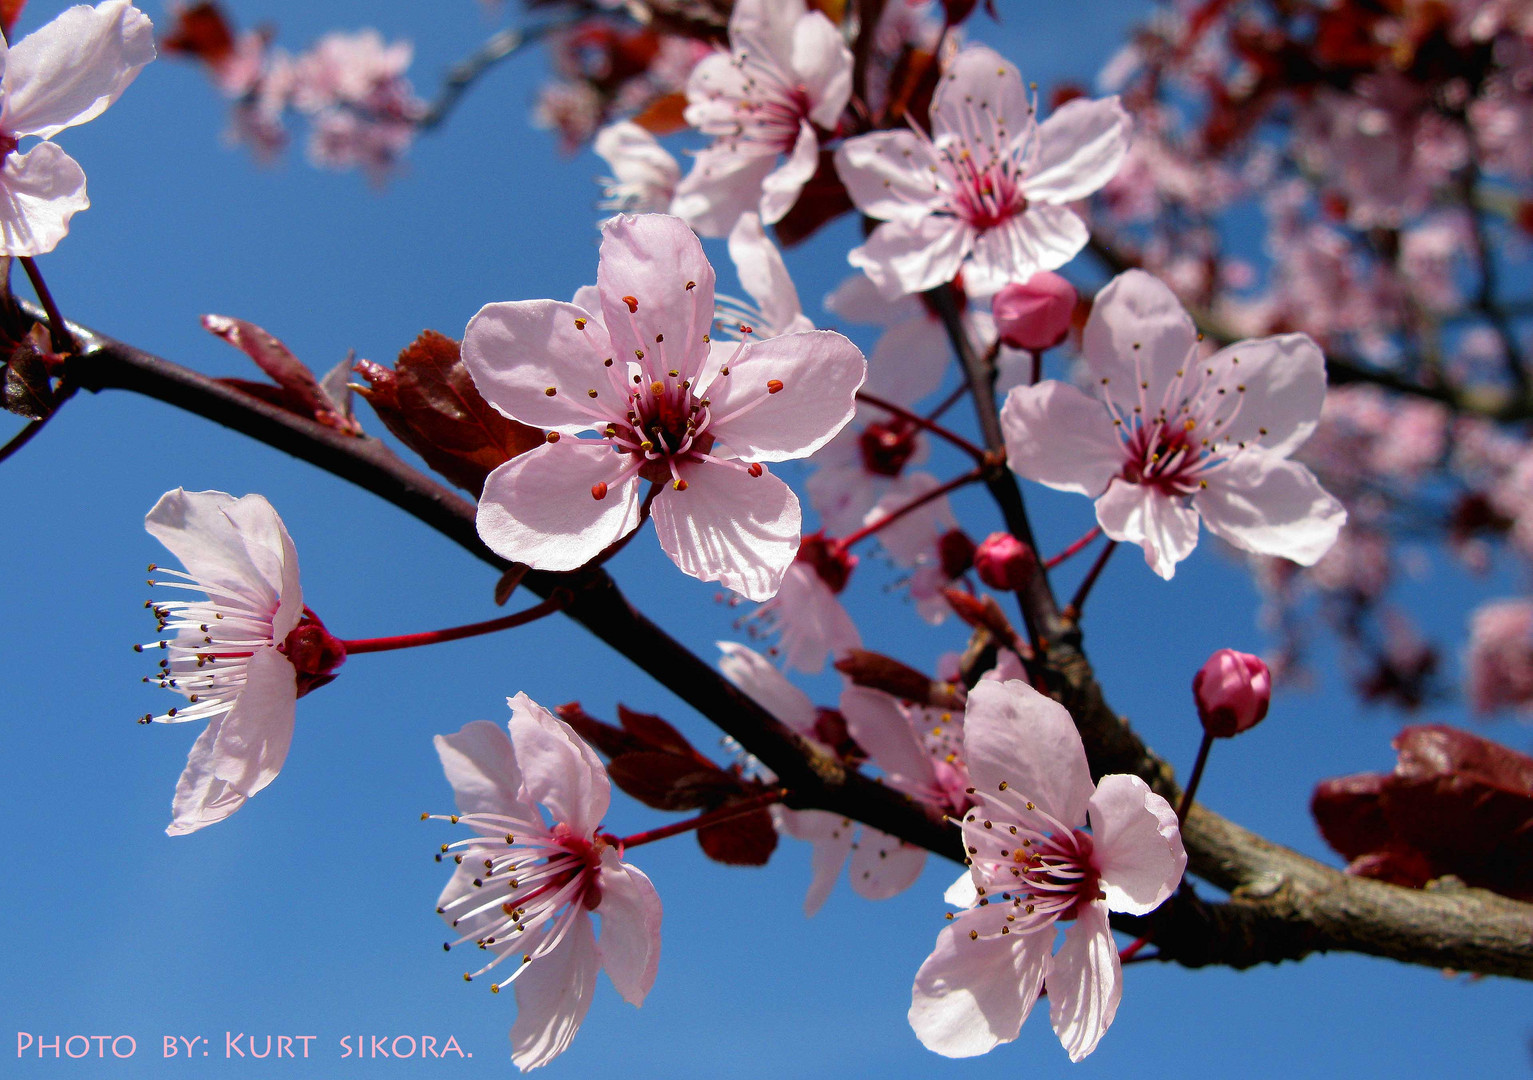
[(526, 887), (810, 623), (644, 174), (988, 191), (919, 749), (1032, 866), (1232, 690), (227, 654), (1034, 314), (881, 865), (56, 77), (1498, 663), (787, 73), (666, 404), (774, 307), (1172, 437)]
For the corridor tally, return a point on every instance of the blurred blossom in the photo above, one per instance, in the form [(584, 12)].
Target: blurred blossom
[(1498, 663)]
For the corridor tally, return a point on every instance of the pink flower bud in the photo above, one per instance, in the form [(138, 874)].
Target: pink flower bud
[(1036, 313), (1004, 562), (1233, 691)]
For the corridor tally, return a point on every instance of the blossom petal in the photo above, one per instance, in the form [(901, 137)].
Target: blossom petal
[(518, 351), (1015, 736), (1138, 332), (239, 544), (888, 175), (1166, 528), (909, 361), (819, 373), (811, 624), (877, 723), (831, 835), (1058, 436), (963, 892), (201, 798), (39, 192), (481, 767), (858, 300), (1263, 503), (630, 928), (1138, 845), (759, 678), (910, 257), (553, 996), (971, 995), (980, 80), (739, 530), (781, 187), (823, 65), (1080, 148), (1085, 983), (1044, 238), (558, 769), (538, 508), (70, 70), (884, 866), (656, 260), (764, 276), (1284, 386), (723, 184), (910, 539)]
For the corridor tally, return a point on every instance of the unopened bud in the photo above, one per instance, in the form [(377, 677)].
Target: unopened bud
[(1233, 691), (956, 553), (1004, 562), (1034, 314)]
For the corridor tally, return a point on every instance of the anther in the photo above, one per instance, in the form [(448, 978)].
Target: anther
[(551, 391), (632, 302), (591, 393), (598, 492), (679, 484), (754, 468), (774, 385), (552, 436), (580, 324)]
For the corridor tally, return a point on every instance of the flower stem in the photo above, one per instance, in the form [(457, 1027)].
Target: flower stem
[(974, 474), (922, 422), (1078, 601), (1075, 548), (431, 637), (948, 402), (58, 330), (712, 817), (1193, 780)]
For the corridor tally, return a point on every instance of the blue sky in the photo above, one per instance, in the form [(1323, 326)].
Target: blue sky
[(310, 911)]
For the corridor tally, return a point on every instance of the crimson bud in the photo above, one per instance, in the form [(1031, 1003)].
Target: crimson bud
[(1004, 562), (1034, 314), (1233, 691)]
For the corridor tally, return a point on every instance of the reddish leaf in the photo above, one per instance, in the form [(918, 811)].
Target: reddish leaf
[(747, 840), (823, 199), (609, 739), (1350, 815), (200, 31), (663, 116), (654, 731), (10, 11), (300, 391), (27, 389), (671, 781), (429, 401)]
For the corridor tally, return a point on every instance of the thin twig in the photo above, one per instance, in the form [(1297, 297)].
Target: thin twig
[(924, 424), (501, 45)]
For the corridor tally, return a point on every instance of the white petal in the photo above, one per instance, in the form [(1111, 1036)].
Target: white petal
[(201, 798), (909, 361), (980, 80), (971, 995), (766, 686), (630, 928), (823, 65), (739, 530), (1058, 436), (831, 835), (39, 192), (1138, 332), (1267, 504), (1080, 148), (1138, 845), (912, 257), (859, 300), (1043, 238), (538, 508), (1085, 983), (1284, 381), (880, 727), (884, 866), (518, 351), (1015, 736), (553, 996), (481, 767), (558, 769), (764, 276), (963, 892), (70, 70), (819, 371), (888, 175), (1166, 528), (723, 184), (781, 187), (238, 544)]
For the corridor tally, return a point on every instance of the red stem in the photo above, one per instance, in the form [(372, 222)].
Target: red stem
[(863, 533), (431, 637), (1075, 548), (922, 422), (1193, 780), (712, 817), (1078, 601), (948, 402)]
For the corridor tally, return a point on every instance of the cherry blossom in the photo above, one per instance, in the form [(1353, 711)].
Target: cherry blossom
[(1033, 866), (774, 306), (644, 174), (988, 191), (56, 77), (228, 654), (881, 865), (525, 889), (1173, 437), (787, 72), (636, 366), (810, 624), (1498, 662)]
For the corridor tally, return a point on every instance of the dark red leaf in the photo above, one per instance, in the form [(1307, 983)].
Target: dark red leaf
[(671, 781), (1350, 814), (653, 730), (823, 199), (301, 392), (609, 739), (747, 840)]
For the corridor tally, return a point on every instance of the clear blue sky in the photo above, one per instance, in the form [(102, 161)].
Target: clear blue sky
[(310, 911)]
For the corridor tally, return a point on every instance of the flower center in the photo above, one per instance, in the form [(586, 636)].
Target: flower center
[(1045, 871), (886, 446), (1164, 457)]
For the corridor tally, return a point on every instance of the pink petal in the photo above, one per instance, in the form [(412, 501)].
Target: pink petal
[(882, 729), (518, 351), (481, 767), (769, 25), (1080, 148), (858, 300), (765, 277), (630, 928), (1138, 845), (1166, 528), (201, 798), (971, 995), (1085, 983), (823, 65), (461, 884), (781, 187), (538, 508), (1014, 735), (723, 184), (1284, 380), (910, 540), (831, 835), (1058, 436), (727, 526), (811, 623), (766, 686), (558, 769), (1044, 238), (255, 734), (884, 866), (239, 544), (42, 190), (553, 995), (1263, 503), (1138, 332), (911, 257), (980, 79), (658, 261), (888, 175), (909, 361), (963, 892), (820, 372), (70, 70), (270, 550)]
